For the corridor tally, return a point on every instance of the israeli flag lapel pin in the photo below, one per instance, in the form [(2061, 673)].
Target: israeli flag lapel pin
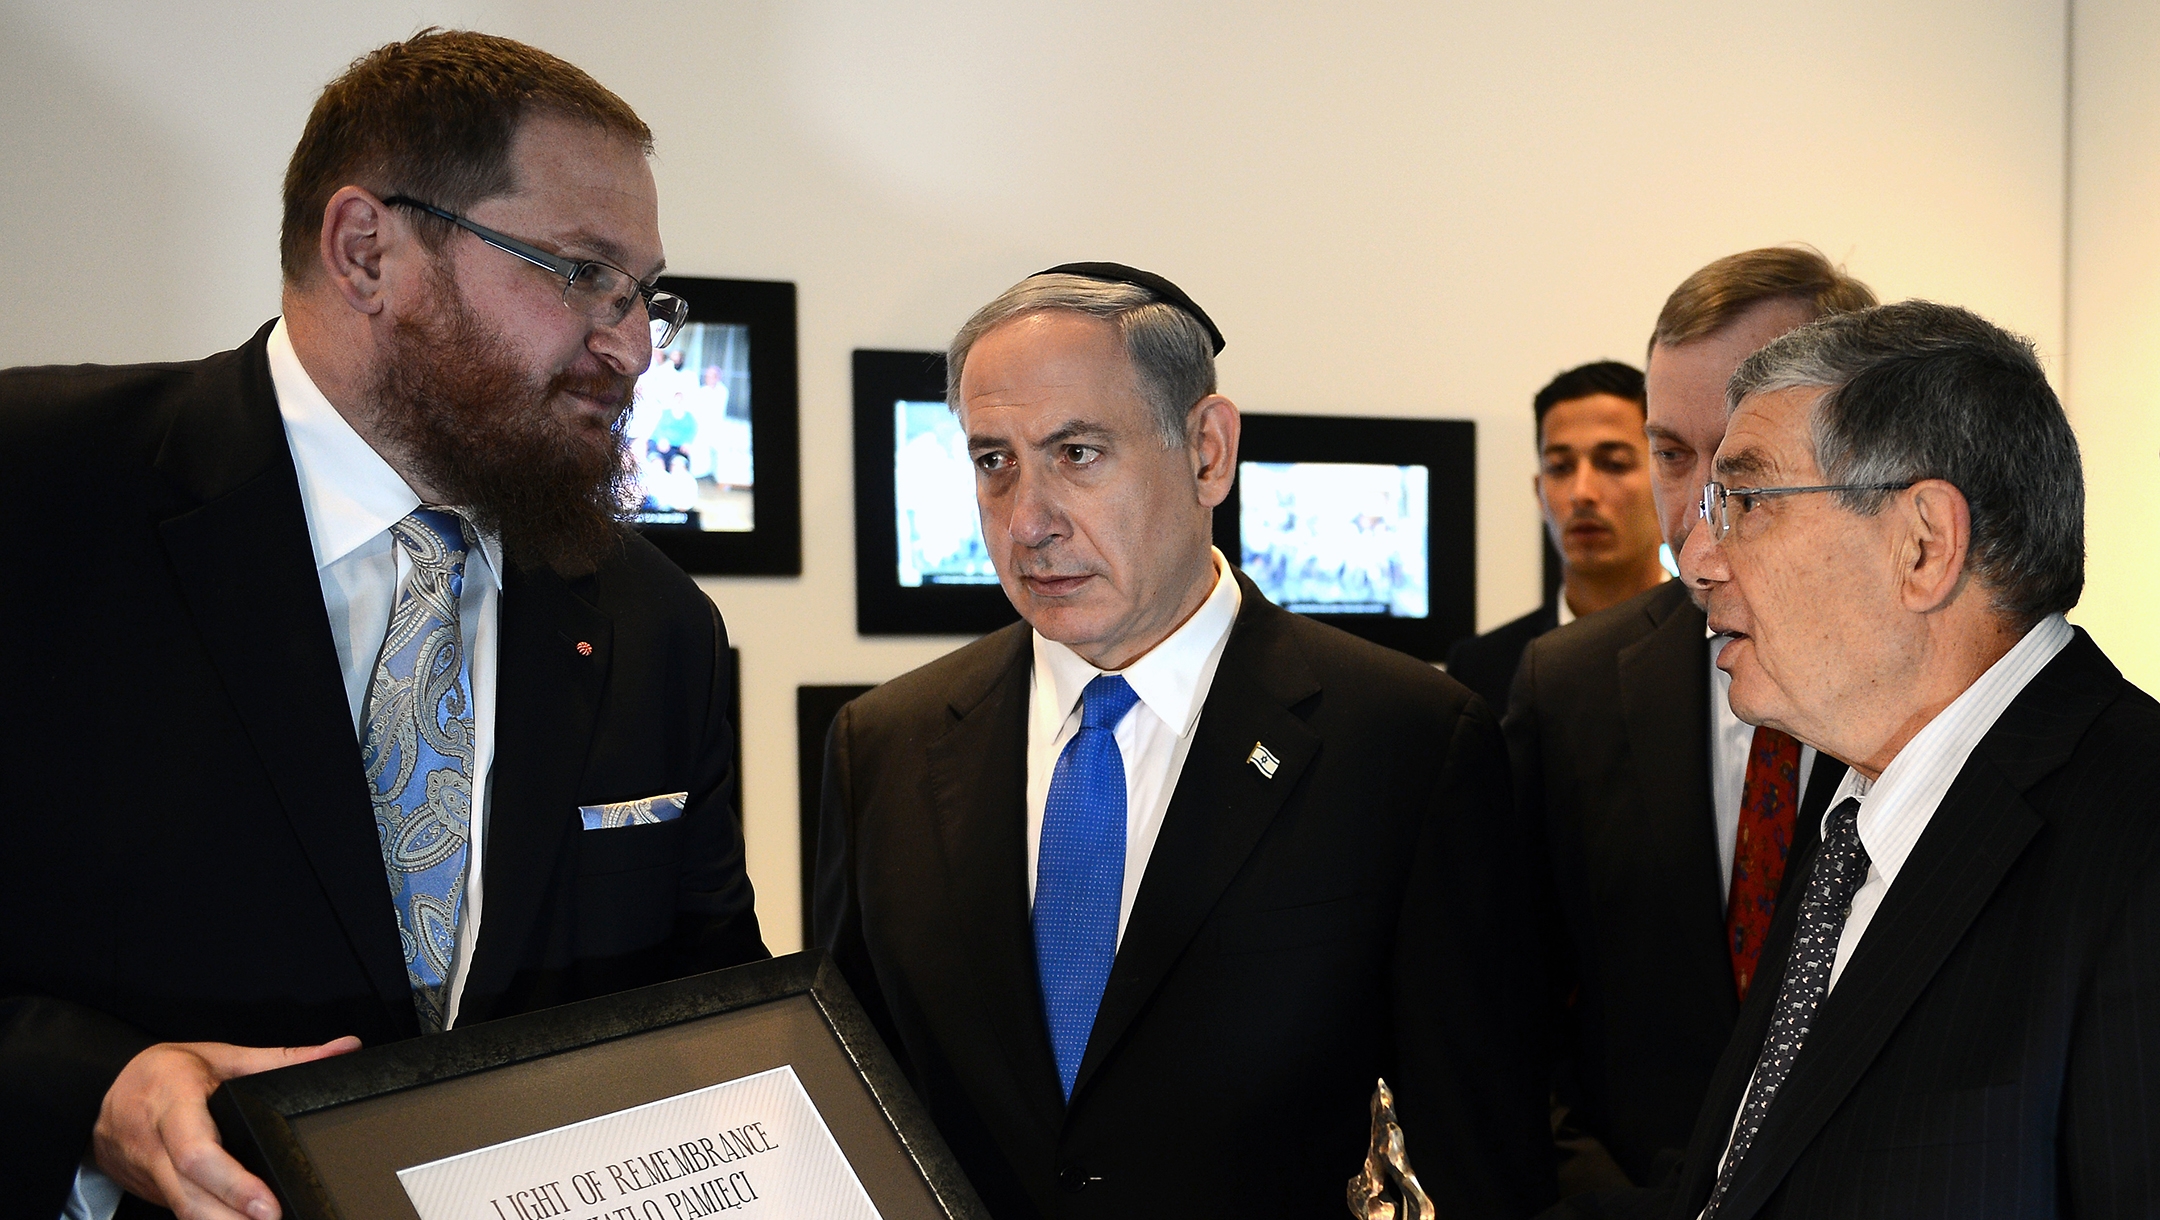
[(1263, 761)]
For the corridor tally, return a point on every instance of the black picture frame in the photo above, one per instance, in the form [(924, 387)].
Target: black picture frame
[(773, 547), (329, 1136), (884, 606), (734, 715), (1447, 448), (816, 707)]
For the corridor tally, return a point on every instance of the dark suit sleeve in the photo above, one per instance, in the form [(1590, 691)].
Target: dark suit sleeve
[(716, 923), (1584, 1162), (1526, 761), (1474, 1091), (2111, 1099), (836, 907), (57, 1059)]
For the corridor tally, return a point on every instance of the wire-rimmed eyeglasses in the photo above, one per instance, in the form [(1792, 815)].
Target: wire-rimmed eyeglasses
[(600, 291), (1716, 503)]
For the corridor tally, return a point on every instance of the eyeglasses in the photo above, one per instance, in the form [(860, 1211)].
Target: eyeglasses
[(601, 292), (1716, 504)]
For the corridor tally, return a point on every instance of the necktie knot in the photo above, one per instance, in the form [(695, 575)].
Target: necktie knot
[(1845, 855), (1105, 701), (435, 539), (433, 536)]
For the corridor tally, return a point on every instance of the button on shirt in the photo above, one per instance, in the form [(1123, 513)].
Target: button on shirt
[(1172, 680), (1896, 807)]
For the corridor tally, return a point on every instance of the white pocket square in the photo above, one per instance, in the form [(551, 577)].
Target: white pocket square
[(641, 812)]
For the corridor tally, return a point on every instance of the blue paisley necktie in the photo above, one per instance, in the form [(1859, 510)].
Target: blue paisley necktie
[(1080, 873), (418, 717)]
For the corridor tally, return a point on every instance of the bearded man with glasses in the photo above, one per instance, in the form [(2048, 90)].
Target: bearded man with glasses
[(348, 710)]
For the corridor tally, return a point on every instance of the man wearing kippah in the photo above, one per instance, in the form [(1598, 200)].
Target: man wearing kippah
[(1146, 891)]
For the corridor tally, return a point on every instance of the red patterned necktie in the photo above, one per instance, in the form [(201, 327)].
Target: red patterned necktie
[(1769, 799)]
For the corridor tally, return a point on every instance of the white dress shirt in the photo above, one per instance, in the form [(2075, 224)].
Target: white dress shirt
[(1730, 740), (1895, 808), (1172, 681), (352, 497)]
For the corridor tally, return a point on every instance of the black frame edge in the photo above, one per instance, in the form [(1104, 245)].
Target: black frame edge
[(882, 606), (1447, 447), (881, 1074), (773, 547), (259, 1107), (271, 1153)]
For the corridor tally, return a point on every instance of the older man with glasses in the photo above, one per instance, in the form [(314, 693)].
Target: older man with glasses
[(347, 710), (1954, 1015)]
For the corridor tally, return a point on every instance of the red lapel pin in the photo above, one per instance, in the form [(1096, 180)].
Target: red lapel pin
[(584, 649)]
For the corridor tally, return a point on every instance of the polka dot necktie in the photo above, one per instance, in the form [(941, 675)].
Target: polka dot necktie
[(1080, 873), (418, 717), (1839, 869)]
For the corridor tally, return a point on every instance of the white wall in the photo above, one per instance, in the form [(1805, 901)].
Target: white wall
[(1391, 209), (2114, 313)]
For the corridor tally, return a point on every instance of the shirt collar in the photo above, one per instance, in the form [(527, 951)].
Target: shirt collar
[(1566, 613), (1895, 807), (1167, 677), (350, 494)]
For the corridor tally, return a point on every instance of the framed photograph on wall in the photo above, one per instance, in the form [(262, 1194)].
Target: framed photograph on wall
[(920, 564), (714, 441), (816, 707), (1367, 524)]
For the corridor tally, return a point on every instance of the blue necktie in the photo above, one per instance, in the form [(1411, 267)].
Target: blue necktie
[(1080, 873), (418, 716)]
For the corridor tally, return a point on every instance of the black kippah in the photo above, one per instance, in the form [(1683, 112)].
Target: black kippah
[(1164, 290)]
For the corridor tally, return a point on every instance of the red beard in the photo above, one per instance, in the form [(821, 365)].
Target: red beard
[(501, 443)]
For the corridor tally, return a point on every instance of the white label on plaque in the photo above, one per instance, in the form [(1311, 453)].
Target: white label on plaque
[(754, 1147)]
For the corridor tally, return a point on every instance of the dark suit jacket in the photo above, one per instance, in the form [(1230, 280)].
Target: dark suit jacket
[(1486, 663), (1609, 734), (192, 845), (1358, 915), (1992, 1049)]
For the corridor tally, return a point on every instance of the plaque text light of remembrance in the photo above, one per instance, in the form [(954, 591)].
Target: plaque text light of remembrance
[(755, 1141)]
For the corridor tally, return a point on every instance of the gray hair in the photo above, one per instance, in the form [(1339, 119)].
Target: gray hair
[(1170, 351), (1919, 391)]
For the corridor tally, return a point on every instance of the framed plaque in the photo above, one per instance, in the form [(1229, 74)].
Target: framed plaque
[(764, 1085)]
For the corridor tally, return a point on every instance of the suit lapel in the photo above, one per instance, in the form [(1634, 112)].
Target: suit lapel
[(1665, 706), (978, 794), (547, 699), (1220, 809), (241, 558), (1975, 836)]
